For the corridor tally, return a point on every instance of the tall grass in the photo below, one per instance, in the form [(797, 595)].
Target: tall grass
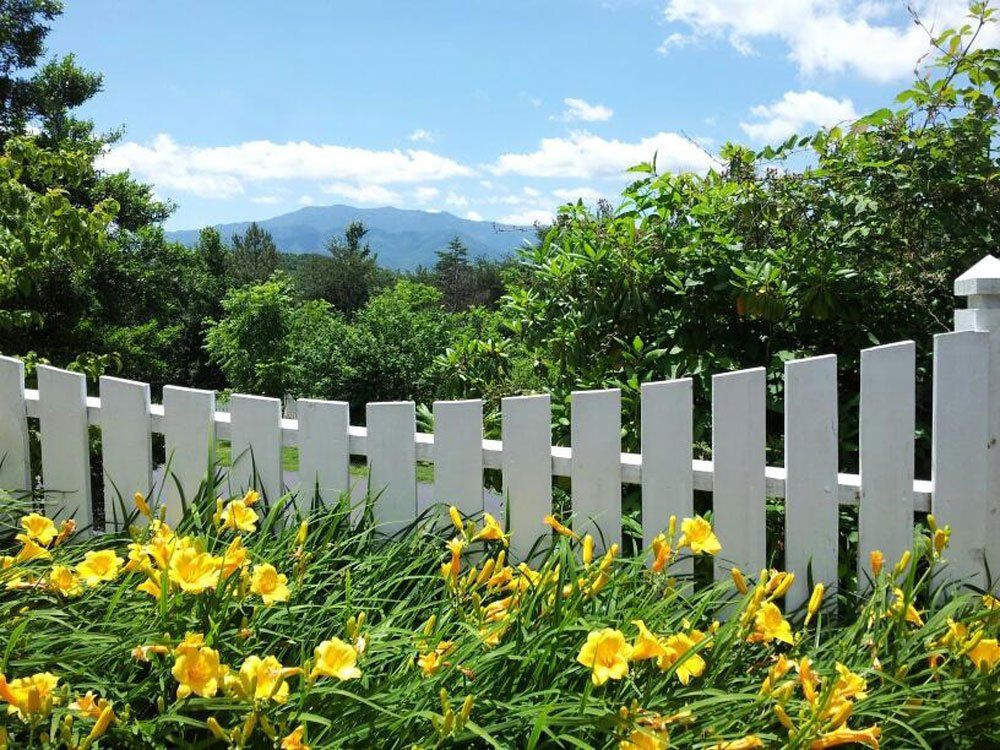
[(527, 690)]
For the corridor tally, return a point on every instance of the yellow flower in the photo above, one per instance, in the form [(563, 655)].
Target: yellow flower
[(142, 505), (770, 625), (30, 549), (991, 602), (250, 498), (430, 663), (697, 534), (294, 740), (877, 560), (262, 679), (97, 567), (642, 739), (679, 652), (334, 658), (750, 742), (558, 527), (778, 583), (269, 584), (30, 697), (849, 686), (456, 518), (197, 670), (646, 645), (587, 553), (808, 678), (985, 654), (738, 580), (138, 559), (104, 720), (607, 655), (238, 516), (844, 736), (86, 706), (153, 585), (64, 581), (661, 553), (39, 528), (451, 568), (941, 537), (142, 653), (815, 602), (194, 571), (66, 529), (912, 615), (234, 558), (491, 531)]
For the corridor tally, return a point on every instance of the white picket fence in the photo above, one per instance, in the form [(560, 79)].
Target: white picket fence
[(964, 490)]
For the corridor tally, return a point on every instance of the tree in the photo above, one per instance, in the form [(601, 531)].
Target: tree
[(760, 260), (213, 252), (348, 277), (254, 255)]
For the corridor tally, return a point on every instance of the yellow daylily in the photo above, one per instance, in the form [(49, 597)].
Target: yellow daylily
[(63, 581), (39, 528), (197, 670), (193, 570), (844, 736), (680, 655), (770, 625), (697, 535), (985, 654), (491, 531), (644, 739), (646, 645), (260, 680), (294, 741), (335, 658), (269, 584), (99, 566), (30, 697), (606, 653), (239, 516)]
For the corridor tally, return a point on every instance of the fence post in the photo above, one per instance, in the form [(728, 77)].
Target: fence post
[(981, 286)]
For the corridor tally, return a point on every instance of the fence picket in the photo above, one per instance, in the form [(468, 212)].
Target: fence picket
[(126, 447), (324, 450), (392, 459), (738, 459), (527, 469), (256, 445), (62, 414), (15, 461), (667, 480), (885, 518), (189, 438), (959, 465), (458, 454), (596, 438), (811, 509)]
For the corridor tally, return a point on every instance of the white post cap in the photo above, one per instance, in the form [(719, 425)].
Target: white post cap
[(981, 285), (983, 278)]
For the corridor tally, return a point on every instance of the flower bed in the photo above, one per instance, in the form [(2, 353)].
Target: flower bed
[(243, 627)]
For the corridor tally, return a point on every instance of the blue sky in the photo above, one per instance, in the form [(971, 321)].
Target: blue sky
[(247, 109)]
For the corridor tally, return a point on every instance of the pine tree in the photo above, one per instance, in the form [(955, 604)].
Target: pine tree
[(254, 256)]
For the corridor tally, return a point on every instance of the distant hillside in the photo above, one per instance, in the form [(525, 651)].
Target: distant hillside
[(403, 239)]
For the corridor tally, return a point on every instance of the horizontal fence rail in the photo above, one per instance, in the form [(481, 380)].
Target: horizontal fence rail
[(963, 491)]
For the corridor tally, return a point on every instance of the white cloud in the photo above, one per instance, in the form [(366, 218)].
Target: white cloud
[(473, 216), (571, 195), (794, 112), (265, 199), (675, 40), (421, 136), (363, 193), (454, 199), (525, 218), (222, 171), (873, 38), (306, 200), (577, 110), (426, 193), (585, 156)]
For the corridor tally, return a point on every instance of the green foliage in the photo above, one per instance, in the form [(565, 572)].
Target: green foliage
[(348, 277), (269, 341), (758, 261), (39, 226), (915, 681), (254, 255)]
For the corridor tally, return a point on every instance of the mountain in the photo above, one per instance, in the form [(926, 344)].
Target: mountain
[(403, 239)]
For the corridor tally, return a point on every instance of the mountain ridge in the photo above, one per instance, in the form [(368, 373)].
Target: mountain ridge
[(402, 238)]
